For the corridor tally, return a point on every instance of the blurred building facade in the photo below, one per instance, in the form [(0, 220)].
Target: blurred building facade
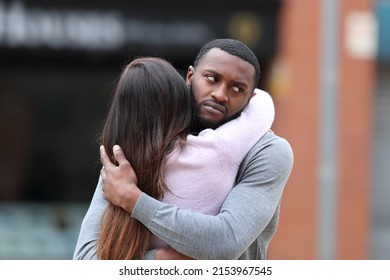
[(59, 62), (381, 153), (326, 111)]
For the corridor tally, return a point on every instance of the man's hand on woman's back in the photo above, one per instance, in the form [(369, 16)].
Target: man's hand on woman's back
[(119, 182)]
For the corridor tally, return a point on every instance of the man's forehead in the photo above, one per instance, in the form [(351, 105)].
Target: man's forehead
[(223, 63), (217, 56)]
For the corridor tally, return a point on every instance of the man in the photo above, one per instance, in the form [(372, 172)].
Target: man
[(222, 80)]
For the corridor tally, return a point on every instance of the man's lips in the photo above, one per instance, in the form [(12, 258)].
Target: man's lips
[(215, 108)]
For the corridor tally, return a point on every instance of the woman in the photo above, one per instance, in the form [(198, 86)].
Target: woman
[(149, 117)]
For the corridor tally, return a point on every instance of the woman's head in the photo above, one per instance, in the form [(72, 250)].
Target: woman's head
[(151, 108), (151, 104)]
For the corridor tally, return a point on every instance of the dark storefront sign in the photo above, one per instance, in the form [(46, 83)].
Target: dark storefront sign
[(152, 27), (58, 64)]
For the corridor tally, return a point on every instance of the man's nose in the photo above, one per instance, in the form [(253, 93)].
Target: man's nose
[(220, 94)]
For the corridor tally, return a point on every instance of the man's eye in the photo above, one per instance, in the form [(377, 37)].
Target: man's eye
[(211, 78), (237, 89)]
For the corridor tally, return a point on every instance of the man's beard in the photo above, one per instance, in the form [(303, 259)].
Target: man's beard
[(201, 123)]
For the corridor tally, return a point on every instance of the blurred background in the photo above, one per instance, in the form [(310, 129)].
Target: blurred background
[(325, 62)]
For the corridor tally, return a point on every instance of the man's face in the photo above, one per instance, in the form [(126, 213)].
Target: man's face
[(222, 85)]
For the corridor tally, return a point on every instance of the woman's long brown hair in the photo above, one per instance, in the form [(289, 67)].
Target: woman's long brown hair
[(150, 109)]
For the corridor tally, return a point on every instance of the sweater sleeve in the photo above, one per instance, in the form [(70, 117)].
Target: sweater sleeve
[(86, 247), (90, 227), (245, 213)]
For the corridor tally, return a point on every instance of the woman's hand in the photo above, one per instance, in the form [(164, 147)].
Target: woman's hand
[(119, 182)]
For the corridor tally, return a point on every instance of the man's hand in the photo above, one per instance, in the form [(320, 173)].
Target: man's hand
[(119, 182), (169, 254)]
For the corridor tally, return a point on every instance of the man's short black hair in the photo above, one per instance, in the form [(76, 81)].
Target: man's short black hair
[(232, 47)]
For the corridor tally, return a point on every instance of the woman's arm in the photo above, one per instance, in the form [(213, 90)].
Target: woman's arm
[(237, 136)]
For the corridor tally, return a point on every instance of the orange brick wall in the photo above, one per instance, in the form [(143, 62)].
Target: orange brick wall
[(356, 132), (296, 92)]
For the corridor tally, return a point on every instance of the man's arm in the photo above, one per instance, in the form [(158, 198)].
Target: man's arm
[(86, 247), (245, 213)]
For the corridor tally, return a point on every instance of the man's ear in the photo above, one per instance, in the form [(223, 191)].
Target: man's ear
[(190, 75), (250, 96)]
